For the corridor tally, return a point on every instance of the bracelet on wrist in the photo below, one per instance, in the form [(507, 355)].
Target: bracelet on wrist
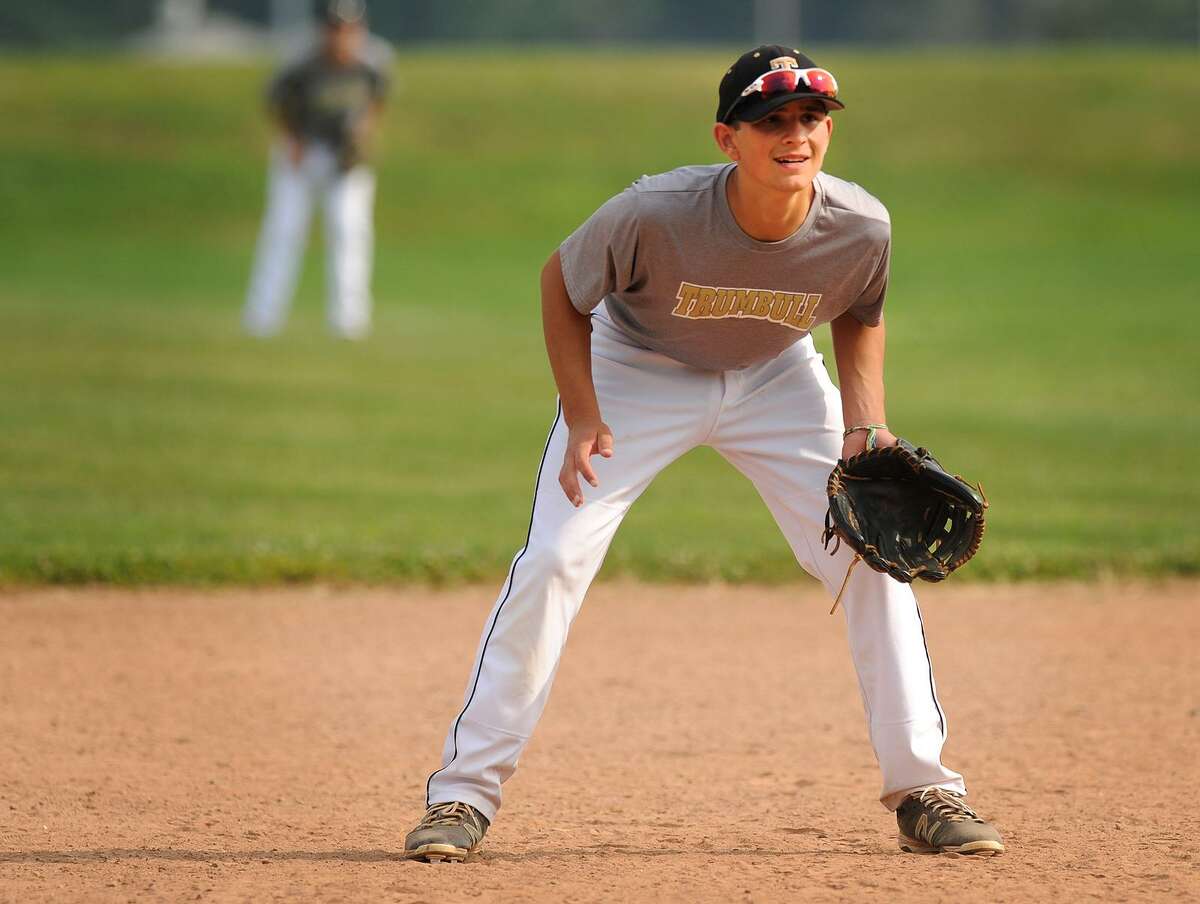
[(870, 430)]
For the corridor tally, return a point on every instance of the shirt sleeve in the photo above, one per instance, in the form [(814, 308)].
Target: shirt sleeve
[(280, 87), (381, 84), (284, 98), (868, 309), (601, 255)]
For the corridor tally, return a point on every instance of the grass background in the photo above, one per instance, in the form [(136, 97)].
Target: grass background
[(1042, 315)]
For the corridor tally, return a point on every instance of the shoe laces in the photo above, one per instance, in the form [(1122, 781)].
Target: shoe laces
[(454, 813), (947, 805)]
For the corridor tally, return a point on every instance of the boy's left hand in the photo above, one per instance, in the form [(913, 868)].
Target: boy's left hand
[(857, 442)]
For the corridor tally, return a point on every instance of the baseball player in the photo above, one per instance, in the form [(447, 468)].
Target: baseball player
[(326, 107), (680, 314)]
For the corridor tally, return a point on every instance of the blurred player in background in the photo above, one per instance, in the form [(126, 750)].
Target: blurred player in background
[(326, 107)]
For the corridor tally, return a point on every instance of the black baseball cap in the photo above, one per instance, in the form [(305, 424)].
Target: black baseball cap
[(759, 61), (342, 12)]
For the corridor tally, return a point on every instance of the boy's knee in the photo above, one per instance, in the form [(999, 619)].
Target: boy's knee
[(551, 560), (288, 227)]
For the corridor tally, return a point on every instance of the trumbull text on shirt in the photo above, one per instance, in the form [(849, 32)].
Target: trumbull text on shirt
[(797, 310)]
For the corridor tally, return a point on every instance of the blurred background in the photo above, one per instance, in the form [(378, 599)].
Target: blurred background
[(1040, 158), (247, 24)]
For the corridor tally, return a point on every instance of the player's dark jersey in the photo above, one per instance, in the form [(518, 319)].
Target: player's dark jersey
[(322, 102)]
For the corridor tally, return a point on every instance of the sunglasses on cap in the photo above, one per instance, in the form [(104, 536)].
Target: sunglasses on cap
[(788, 81)]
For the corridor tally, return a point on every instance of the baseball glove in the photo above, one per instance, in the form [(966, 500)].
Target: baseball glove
[(903, 514)]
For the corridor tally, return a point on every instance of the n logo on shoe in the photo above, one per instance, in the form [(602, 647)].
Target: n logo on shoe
[(924, 830)]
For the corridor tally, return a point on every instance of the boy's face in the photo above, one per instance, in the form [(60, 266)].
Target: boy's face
[(782, 151), (343, 42)]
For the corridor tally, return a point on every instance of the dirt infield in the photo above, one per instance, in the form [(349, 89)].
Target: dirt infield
[(701, 745)]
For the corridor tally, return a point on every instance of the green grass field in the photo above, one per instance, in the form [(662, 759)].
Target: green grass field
[(1042, 317)]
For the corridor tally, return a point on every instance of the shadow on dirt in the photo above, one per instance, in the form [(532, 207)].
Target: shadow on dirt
[(108, 855)]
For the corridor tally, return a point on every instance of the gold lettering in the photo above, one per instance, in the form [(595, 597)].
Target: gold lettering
[(811, 305), (723, 300), (687, 297), (796, 310), (795, 317), (743, 301), (782, 306), (762, 304)]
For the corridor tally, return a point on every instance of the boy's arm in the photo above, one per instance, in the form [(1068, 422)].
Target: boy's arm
[(277, 93), (292, 142), (569, 346), (858, 349), (360, 142)]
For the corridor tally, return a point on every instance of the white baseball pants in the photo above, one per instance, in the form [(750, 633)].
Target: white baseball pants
[(780, 424), (347, 199)]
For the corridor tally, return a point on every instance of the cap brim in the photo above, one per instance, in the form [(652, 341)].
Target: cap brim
[(754, 110)]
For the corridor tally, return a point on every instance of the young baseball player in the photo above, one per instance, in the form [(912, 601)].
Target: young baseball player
[(680, 314), (325, 108)]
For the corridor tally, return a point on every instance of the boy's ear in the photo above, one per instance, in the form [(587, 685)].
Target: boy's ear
[(723, 135)]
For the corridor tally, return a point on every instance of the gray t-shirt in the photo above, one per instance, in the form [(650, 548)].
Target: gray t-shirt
[(679, 276)]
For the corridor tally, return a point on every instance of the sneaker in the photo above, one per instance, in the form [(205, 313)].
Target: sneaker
[(937, 821), (449, 831)]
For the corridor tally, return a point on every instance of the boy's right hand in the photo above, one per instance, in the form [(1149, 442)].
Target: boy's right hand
[(295, 149), (585, 439)]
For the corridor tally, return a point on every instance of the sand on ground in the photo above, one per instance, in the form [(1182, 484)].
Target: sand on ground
[(702, 744)]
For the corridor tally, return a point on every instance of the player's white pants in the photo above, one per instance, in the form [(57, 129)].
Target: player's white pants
[(347, 199), (780, 424)]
